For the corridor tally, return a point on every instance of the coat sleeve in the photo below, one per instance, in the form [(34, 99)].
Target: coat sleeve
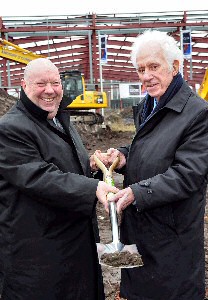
[(185, 176), (24, 170)]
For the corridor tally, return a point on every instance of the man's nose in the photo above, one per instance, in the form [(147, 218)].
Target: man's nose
[(49, 88), (147, 73)]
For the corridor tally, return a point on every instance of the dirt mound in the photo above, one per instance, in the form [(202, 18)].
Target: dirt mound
[(119, 115), (102, 138), (6, 102), (126, 112)]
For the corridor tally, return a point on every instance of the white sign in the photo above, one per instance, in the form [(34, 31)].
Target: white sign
[(130, 90)]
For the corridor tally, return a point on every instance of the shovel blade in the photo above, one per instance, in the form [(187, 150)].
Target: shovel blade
[(111, 248), (115, 247)]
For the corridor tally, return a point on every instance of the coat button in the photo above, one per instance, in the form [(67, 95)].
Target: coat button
[(149, 191)]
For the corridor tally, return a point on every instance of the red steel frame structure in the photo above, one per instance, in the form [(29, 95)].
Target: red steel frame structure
[(72, 42)]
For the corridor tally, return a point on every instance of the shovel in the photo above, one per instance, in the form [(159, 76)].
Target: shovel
[(115, 245)]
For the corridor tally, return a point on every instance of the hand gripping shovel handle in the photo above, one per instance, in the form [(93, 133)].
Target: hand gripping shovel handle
[(108, 178)]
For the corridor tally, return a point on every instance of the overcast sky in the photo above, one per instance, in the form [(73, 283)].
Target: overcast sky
[(70, 7)]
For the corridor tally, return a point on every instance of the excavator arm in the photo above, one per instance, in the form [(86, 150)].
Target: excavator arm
[(15, 53), (203, 90)]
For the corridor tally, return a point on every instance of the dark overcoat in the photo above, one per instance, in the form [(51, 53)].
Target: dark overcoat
[(47, 206), (167, 170)]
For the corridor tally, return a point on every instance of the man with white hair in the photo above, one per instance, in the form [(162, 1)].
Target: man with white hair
[(165, 168)]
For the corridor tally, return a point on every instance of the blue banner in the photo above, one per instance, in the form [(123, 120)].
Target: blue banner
[(186, 43), (103, 49)]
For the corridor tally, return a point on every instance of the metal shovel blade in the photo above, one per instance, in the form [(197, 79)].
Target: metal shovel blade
[(112, 248), (114, 258), (116, 247)]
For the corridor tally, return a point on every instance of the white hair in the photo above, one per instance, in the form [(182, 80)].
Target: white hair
[(167, 44), (37, 65)]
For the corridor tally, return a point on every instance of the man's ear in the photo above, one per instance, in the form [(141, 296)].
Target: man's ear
[(175, 67), (23, 84)]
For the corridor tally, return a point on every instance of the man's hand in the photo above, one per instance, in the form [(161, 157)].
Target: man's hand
[(108, 158), (112, 154), (123, 199), (103, 189), (102, 157)]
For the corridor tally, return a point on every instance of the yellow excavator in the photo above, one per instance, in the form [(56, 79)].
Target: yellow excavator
[(203, 89), (81, 103)]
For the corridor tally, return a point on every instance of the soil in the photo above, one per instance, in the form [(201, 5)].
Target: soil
[(104, 138), (121, 259), (6, 101)]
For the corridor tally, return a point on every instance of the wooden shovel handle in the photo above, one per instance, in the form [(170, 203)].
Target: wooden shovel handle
[(106, 172), (108, 178), (114, 164), (100, 164)]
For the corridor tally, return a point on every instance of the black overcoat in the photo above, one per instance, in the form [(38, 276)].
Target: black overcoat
[(47, 205), (167, 170)]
